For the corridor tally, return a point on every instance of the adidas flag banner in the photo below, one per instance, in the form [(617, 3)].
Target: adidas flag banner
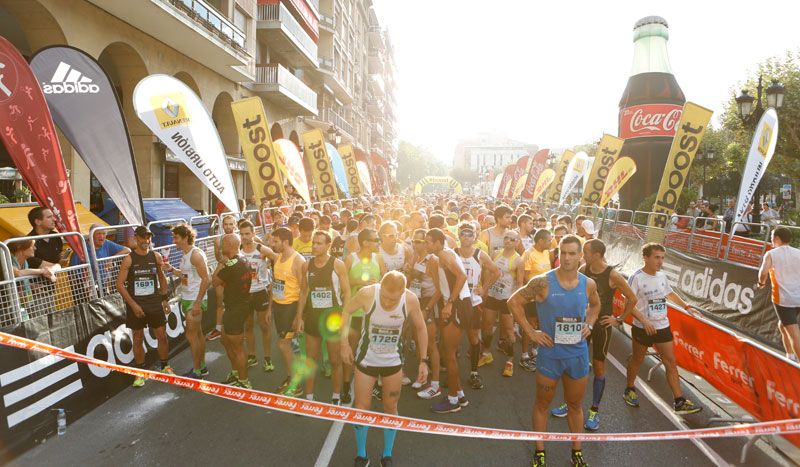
[(86, 108), (28, 133), (175, 114)]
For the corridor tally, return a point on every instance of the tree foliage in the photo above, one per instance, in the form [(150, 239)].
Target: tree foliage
[(415, 162), (465, 175)]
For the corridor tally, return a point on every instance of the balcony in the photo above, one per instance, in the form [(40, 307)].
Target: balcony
[(284, 34), (374, 61), (374, 105), (330, 77), (330, 116), (375, 36), (193, 28), (376, 86), (279, 85), (377, 130), (327, 23)]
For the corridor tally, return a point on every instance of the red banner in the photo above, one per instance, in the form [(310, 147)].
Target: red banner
[(537, 164), (505, 181), (649, 120), (519, 170), (28, 133)]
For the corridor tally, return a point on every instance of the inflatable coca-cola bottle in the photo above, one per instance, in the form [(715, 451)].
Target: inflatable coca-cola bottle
[(649, 110)]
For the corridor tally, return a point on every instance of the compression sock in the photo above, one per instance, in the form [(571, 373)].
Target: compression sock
[(598, 386), (218, 328), (310, 397), (474, 356), (361, 440), (388, 441), (486, 340)]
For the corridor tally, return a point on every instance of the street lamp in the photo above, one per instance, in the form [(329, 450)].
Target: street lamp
[(750, 117), (334, 136)]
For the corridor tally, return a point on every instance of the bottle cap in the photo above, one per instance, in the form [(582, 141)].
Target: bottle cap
[(650, 20)]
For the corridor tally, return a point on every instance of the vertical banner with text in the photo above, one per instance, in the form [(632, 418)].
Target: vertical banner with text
[(761, 151), (575, 172), (689, 133), (546, 179), (317, 155), (536, 165), (622, 170), (607, 153), (554, 191), (290, 164), (258, 150), (351, 170)]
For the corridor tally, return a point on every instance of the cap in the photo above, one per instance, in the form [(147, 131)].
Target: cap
[(588, 226), (453, 215), (294, 220), (142, 231)]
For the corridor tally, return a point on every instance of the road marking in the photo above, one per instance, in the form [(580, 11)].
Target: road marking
[(669, 413), (324, 458)]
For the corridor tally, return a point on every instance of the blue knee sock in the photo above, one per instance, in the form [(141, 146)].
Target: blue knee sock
[(361, 440), (388, 441), (598, 386)]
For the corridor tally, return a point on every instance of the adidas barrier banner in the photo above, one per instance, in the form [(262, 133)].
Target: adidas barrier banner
[(622, 170), (351, 170), (259, 152), (546, 179), (553, 193), (607, 153), (339, 173), (175, 114), (761, 150), (290, 163), (28, 133), (536, 165), (320, 162), (86, 108), (575, 171)]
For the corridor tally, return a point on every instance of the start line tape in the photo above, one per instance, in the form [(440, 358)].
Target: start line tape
[(335, 413)]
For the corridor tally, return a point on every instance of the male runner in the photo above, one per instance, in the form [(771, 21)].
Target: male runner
[(228, 227), (497, 298), (145, 305), (493, 236), (258, 259), (424, 283), (397, 256), (324, 288), (567, 305), (779, 266), (526, 229), (379, 352), (302, 243), (652, 290)]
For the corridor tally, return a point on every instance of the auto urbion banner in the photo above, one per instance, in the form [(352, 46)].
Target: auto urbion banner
[(28, 133), (86, 108), (174, 113), (761, 151)]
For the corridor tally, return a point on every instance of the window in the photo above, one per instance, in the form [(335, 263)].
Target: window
[(171, 185), (239, 19)]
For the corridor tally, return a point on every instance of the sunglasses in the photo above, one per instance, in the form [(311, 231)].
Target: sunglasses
[(417, 241), (512, 239), (466, 233), (376, 240)]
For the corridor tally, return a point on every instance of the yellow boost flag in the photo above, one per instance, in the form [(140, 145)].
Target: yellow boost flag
[(350, 170), (606, 155), (688, 135), (622, 170), (554, 192), (317, 156), (258, 150), (545, 180)]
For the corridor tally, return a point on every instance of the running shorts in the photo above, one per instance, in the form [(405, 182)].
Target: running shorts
[(661, 336), (283, 315), (553, 368)]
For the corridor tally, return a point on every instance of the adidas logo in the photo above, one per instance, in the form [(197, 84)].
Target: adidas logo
[(708, 285), (68, 80)]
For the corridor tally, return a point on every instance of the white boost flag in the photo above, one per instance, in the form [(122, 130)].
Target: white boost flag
[(175, 114), (761, 150), (575, 171)]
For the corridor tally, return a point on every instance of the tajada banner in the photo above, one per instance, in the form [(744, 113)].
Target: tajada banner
[(351, 170), (575, 171), (508, 177), (607, 153), (174, 113), (290, 163), (689, 133), (258, 150), (519, 170), (553, 193), (546, 179), (28, 133), (320, 162), (761, 151), (536, 165), (622, 171), (85, 107)]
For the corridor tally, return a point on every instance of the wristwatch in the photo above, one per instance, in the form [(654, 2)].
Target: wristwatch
[(426, 360), (589, 326)]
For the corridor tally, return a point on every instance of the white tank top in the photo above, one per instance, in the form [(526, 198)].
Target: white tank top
[(190, 279), (504, 286), (785, 276), (445, 286), (396, 261), (421, 283), (380, 344), (260, 275), (472, 268), (527, 241), (495, 242)]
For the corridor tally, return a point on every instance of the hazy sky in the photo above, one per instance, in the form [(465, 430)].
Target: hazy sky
[(551, 73)]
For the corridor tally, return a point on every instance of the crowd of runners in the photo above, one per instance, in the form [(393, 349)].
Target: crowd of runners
[(375, 287)]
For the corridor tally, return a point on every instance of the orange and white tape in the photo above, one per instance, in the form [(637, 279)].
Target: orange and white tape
[(380, 420)]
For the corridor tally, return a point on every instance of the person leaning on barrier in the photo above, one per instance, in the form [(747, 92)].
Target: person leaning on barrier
[(21, 253), (103, 247), (47, 249), (780, 267)]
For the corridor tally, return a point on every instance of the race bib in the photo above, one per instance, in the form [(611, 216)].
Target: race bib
[(322, 299), (384, 340), (416, 288), (278, 291), (497, 289), (657, 309), (568, 330), (143, 288)]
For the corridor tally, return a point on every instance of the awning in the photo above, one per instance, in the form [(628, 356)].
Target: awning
[(14, 220)]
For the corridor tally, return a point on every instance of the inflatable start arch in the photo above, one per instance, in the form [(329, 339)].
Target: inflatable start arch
[(433, 180)]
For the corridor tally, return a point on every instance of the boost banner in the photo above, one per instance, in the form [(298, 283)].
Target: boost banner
[(351, 170), (607, 152), (317, 155), (290, 163), (575, 171), (689, 133), (554, 192), (536, 165), (29, 136), (622, 170), (761, 150), (258, 150), (175, 114), (85, 107)]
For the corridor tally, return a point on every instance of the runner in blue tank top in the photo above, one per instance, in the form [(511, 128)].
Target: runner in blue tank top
[(568, 306)]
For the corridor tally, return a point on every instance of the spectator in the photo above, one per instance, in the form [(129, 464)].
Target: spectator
[(769, 216), (693, 210), (47, 249), (780, 267), (36, 298), (103, 248), (729, 214)]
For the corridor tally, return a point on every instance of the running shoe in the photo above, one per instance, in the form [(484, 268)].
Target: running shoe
[(508, 370), (560, 411), (232, 377), (386, 461), (538, 460), (284, 385), (335, 402), (416, 385), (528, 364), (192, 374), (686, 407), (138, 382), (361, 462), (485, 359), (429, 392), (204, 371), (502, 346), (405, 381), (593, 422), (577, 460), (268, 366), (167, 370), (444, 406), (293, 392), (242, 383), (346, 397), (377, 393), (631, 398), (213, 335), (463, 401), (252, 360), (475, 381)]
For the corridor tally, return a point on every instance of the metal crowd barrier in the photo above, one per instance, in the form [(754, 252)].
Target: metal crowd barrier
[(213, 220), (106, 269), (10, 309)]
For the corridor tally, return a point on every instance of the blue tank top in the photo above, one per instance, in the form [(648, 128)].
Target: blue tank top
[(559, 304)]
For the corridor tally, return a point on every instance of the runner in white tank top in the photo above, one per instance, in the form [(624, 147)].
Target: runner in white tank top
[(190, 278), (400, 259)]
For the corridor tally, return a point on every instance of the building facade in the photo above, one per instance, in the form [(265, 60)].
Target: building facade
[(307, 60), (489, 152)]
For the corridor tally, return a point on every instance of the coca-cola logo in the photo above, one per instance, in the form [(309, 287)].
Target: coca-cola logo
[(649, 120)]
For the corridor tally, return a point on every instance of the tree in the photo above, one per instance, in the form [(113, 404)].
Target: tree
[(415, 162), (465, 175)]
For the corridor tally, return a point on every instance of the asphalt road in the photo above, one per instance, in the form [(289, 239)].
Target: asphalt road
[(162, 425)]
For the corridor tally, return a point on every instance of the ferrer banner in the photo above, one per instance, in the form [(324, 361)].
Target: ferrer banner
[(689, 134), (622, 170), (545, 180), (607, 153), (351, 170), (575, 171), (554, 192), (317, 155), (175, 114), (290, 163), (536, 165), (258, 150), (761, 150)]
